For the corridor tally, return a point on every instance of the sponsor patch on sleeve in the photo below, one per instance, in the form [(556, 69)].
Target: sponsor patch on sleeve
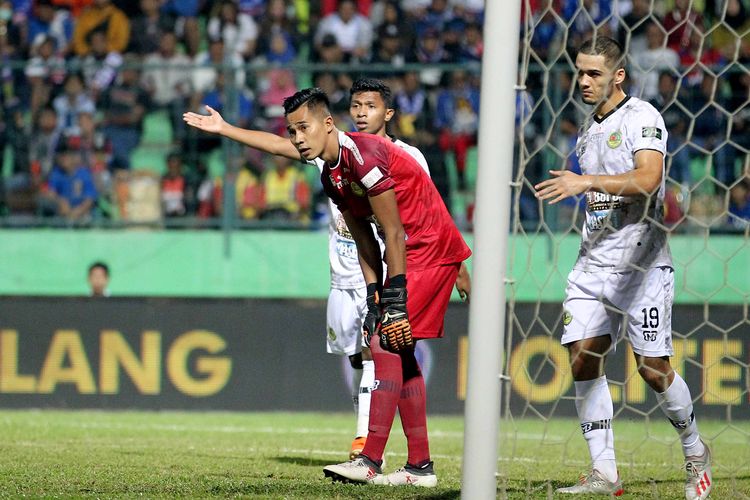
[(372, 177), (651, 132)]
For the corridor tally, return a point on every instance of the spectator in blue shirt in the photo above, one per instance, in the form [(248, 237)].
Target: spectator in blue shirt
[(457, 119), (186, 28), (739, 204), (47, 20), (215, 99), (71, 186)]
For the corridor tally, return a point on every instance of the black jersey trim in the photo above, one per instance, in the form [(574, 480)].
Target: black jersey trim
[(612, 111), (649, 149)]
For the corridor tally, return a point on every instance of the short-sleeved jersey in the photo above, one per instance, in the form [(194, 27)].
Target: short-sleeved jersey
[(346, 272), (622, 232), (369, 165)]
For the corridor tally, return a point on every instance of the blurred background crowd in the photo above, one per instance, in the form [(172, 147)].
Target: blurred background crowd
[(93, 93)]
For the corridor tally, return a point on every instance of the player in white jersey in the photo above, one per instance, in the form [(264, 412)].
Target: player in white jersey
[(623, 281)]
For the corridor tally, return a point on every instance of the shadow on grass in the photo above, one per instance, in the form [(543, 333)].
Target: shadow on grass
[(306, 461), (325, 489), (542, 487)]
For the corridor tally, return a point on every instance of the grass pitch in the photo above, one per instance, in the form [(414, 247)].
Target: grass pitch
[(281, 455)]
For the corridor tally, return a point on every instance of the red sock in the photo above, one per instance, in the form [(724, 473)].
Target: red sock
[(388, 382), (412, 407)]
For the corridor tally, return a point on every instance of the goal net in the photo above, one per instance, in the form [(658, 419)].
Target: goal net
[(689, 59)]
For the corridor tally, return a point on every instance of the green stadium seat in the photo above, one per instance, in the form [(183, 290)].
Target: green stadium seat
[(157, 129), (215, 163), (152, 158), (7, 166)]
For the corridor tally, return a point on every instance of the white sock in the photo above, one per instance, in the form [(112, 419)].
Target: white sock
[(365, 389), (356, 380), (677, 405), (595, 411)]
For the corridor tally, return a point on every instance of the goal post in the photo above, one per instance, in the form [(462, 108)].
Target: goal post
[(492, 215)]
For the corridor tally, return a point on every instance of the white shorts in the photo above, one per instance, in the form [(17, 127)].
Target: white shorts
[(346, 308), (640, 303)]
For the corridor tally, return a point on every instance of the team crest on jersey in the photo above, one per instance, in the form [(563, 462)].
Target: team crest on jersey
[(567, 318), (357, 189), (615, 139)]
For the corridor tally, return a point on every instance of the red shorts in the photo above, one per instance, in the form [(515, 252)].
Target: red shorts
[(428, 293)]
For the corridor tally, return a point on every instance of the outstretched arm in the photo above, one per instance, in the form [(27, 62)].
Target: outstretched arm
[(256, 139), (643, 180)]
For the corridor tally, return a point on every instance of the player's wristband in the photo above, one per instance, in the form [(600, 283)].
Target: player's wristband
[(398, 281), (372, 317)]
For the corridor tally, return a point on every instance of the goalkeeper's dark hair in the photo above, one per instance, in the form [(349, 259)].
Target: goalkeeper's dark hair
[(314, 98), (372, 85), (605, 46)]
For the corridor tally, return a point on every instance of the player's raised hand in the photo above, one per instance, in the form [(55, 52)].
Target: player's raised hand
[(213, 122), (563, 184)]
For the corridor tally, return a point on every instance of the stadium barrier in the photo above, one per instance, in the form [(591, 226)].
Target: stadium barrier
[(294, 264), (233, 354)]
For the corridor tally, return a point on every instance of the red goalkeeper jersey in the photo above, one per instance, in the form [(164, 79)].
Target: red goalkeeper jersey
[(370, 165)]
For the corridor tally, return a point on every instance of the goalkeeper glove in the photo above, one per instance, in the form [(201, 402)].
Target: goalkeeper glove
[(395, 329), (370, 323)]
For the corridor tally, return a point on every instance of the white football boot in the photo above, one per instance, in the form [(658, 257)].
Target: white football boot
[(414, 476), (594, 484), (699, 480), (359, 470)]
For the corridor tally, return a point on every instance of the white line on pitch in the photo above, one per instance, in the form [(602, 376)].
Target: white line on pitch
[(229, 429)]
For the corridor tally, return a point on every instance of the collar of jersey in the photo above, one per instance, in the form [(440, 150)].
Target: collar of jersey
[(612, 111)]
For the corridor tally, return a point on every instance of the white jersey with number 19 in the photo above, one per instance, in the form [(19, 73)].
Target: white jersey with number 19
[(622, 233)]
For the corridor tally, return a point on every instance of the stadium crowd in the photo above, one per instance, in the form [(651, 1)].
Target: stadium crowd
[(80, 79)]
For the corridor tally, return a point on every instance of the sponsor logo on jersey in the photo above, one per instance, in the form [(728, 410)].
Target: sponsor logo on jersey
[(372, 177), (341, 228), (615, 139), (336, 181), (331, 334), (357, 189), (567, 318), (651, 132), (603, 201)]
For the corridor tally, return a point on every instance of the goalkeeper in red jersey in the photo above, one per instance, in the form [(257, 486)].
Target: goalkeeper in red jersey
[(371, 180)]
